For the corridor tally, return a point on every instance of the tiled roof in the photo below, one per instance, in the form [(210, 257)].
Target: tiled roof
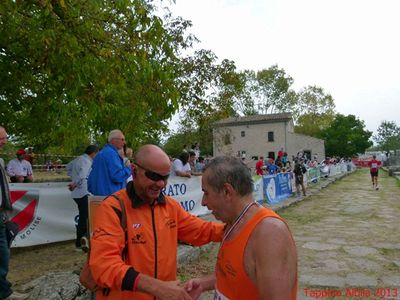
[(255, 119)]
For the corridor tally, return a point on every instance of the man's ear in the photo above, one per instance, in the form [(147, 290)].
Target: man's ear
[(228, 189)]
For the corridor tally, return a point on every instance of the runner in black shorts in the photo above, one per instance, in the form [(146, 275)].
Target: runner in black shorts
[(373, 168)]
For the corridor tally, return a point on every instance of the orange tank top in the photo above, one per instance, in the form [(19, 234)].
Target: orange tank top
[(232, 281)]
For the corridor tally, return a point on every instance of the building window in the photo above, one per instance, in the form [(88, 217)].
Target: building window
[(271, 155), (270, 136), (242, 134)]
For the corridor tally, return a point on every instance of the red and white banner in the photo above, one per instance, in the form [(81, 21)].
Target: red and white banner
[(46, 212)]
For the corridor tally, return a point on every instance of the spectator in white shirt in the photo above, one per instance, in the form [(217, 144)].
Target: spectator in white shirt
[(79, 170), (181, 166), (19, 169)]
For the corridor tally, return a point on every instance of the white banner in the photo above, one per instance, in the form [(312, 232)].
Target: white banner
[(45, 213), (187, 191)]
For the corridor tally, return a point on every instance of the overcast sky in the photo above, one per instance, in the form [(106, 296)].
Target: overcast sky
[(350, 48)]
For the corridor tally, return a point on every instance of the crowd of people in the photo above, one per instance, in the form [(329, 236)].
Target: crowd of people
[(283, 165), (257, 256)]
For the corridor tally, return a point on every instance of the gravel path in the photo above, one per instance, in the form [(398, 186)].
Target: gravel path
[(348, 239)]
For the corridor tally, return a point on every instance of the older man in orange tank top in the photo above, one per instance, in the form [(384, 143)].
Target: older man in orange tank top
[(257, 258)]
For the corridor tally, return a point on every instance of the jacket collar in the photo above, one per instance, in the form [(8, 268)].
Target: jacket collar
[(136, 200)]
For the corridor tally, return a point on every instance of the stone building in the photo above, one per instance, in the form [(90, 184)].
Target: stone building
[(263, 135)]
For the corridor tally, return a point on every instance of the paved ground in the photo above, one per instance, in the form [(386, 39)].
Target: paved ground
[(348, 239)]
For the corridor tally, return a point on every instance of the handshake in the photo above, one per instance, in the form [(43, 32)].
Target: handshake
[(189, 290)]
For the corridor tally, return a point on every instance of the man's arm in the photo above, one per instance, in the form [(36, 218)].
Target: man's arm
[(29, 168), (161, 289), (275, 259), (195, 287), (195, 173), (179, 169), (13, 168), (117, 170), (183, 174), (82, 171), (196, 231)]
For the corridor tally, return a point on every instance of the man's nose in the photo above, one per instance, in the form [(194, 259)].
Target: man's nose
[(161, 183)]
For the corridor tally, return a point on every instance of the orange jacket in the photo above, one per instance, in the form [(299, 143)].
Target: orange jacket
[(232, 280), (153, 234)]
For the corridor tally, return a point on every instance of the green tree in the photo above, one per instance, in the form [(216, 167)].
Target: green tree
[(209, 91), (70, 71), (388, 136), (346, 136), (314, 111), (272, 89)]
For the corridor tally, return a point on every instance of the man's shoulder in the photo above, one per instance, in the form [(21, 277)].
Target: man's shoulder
[(13, 161), (173, 204), (270, 225), (26, 162), (177, 162), (108, 149)]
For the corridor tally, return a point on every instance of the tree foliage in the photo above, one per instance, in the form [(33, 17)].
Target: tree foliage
[(388, 136), (73, 70), (272, 89), (314, 110), (346, 136), (209, 90)]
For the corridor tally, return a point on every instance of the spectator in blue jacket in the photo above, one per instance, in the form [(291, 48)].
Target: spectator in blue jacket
[(109, 170)]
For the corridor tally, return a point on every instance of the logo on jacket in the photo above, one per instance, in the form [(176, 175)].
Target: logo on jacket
[(136, 225), (138, 239), (170, 223)]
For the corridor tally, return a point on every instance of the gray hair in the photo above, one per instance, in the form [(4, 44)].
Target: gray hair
[(114, 134), (225, 169)]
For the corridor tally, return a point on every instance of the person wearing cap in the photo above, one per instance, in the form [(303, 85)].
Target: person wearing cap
[(19, 169)]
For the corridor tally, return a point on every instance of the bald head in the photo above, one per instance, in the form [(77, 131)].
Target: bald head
[(152, 156)]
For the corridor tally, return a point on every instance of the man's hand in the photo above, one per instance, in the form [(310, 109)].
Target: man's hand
[(193, 288), (71, 186), (170, 290)]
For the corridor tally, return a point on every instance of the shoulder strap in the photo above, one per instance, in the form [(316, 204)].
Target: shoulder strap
[(123, 212), (123, 225)]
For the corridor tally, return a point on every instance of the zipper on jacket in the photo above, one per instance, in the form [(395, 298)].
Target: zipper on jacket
[(155, 241)]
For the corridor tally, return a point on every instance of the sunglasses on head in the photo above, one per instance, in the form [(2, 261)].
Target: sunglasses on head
[(153, 175)]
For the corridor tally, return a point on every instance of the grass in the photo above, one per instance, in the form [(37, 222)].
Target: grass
[(42, 176), (202, 266)]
